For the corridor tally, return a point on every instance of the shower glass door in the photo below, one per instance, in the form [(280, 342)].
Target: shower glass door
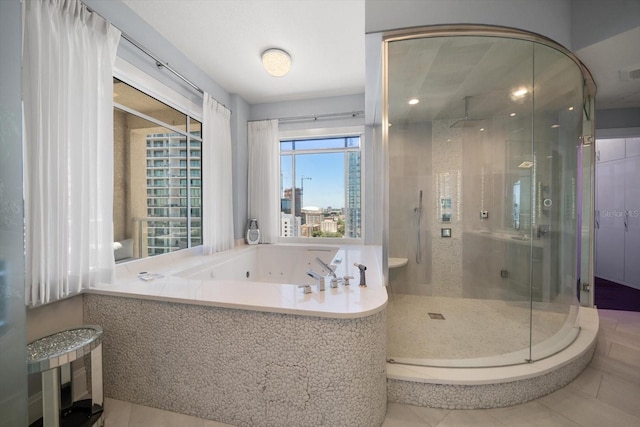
[(485, 128)]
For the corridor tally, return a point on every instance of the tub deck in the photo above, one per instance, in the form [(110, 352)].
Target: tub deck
[(167, 282)]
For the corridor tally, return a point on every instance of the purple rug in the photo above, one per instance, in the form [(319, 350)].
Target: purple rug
[(614, 296)]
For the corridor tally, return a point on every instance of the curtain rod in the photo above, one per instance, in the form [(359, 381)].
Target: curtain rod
[(164, 65), (159, 63), (316, 117)]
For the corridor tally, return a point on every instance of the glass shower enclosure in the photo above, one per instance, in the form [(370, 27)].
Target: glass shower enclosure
[(485, 141)]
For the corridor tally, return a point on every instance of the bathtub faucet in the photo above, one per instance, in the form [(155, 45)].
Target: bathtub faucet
[(326, 267), (334, 278), (319, 278), (362, 268)]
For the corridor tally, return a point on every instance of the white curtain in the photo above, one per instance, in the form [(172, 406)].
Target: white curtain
[(217, 197), (263, 201), (68, 148)]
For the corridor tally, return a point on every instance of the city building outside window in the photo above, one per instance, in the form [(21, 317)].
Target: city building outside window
[(321, 186), (157, 176)]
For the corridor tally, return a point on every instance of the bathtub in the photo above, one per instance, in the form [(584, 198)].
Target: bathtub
[(230, 337), (286, 264)]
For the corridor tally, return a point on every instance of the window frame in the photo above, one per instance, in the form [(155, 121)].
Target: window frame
[(146, 84), (321, 133)]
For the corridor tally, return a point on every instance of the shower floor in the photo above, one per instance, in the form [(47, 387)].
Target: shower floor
[(471, 328)]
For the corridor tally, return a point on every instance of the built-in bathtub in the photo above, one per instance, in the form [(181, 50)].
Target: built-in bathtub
[(231, 337), (286, 264)]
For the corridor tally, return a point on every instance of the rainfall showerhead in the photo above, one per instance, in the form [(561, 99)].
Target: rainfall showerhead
[(466, 121)]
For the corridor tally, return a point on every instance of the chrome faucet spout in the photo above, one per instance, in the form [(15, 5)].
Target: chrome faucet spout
[(318, 277), (326, 267)]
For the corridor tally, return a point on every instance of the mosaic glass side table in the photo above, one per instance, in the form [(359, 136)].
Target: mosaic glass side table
[(52, 355)]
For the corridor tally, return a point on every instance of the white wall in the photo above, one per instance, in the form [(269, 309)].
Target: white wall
[(241, 111), (310, 107), (618, 118), (597, 20)]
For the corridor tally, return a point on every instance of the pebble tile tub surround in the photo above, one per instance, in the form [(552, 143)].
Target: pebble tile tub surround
[(454, 396), (245, 368), (242, 352)]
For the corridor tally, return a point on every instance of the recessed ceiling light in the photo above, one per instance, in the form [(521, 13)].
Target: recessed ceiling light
[(519, 93), (512, 114), (570, 108), (481, 129), (413, 101), (555, 126), (276, 62)]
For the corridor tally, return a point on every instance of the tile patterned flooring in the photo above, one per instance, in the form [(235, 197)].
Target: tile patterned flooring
[(607, 393), (473, 327)]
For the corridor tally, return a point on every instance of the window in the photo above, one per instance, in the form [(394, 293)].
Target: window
[(320, 187), (155, 204)]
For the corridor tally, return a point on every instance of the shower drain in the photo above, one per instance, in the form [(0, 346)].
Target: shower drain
[(436, 316)]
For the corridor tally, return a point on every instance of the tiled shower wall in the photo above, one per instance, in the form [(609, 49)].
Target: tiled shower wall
[(463, 166), (410, 166)]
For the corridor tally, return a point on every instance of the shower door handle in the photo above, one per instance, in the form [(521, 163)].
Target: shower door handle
[(597, 219)]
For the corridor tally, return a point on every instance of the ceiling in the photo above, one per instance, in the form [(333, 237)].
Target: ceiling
[(605, 59), (325, 39), (475, 78), (226, 38)]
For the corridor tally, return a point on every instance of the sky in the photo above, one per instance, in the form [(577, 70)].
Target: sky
[(326, 184)]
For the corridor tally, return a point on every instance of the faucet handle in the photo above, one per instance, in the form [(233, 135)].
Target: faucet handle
[(334, 282), (306, 289), (346, 280)]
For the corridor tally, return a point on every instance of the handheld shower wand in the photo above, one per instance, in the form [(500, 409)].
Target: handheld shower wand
[(418, 212), (326, 267), (363, 279)]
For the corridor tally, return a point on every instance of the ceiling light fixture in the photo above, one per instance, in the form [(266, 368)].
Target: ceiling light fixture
[(554, 126), (512, 114), (570, 108), (413, 101), (276, 62)]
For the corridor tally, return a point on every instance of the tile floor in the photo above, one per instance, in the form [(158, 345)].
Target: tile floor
[(607, 394), (478, 327)]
